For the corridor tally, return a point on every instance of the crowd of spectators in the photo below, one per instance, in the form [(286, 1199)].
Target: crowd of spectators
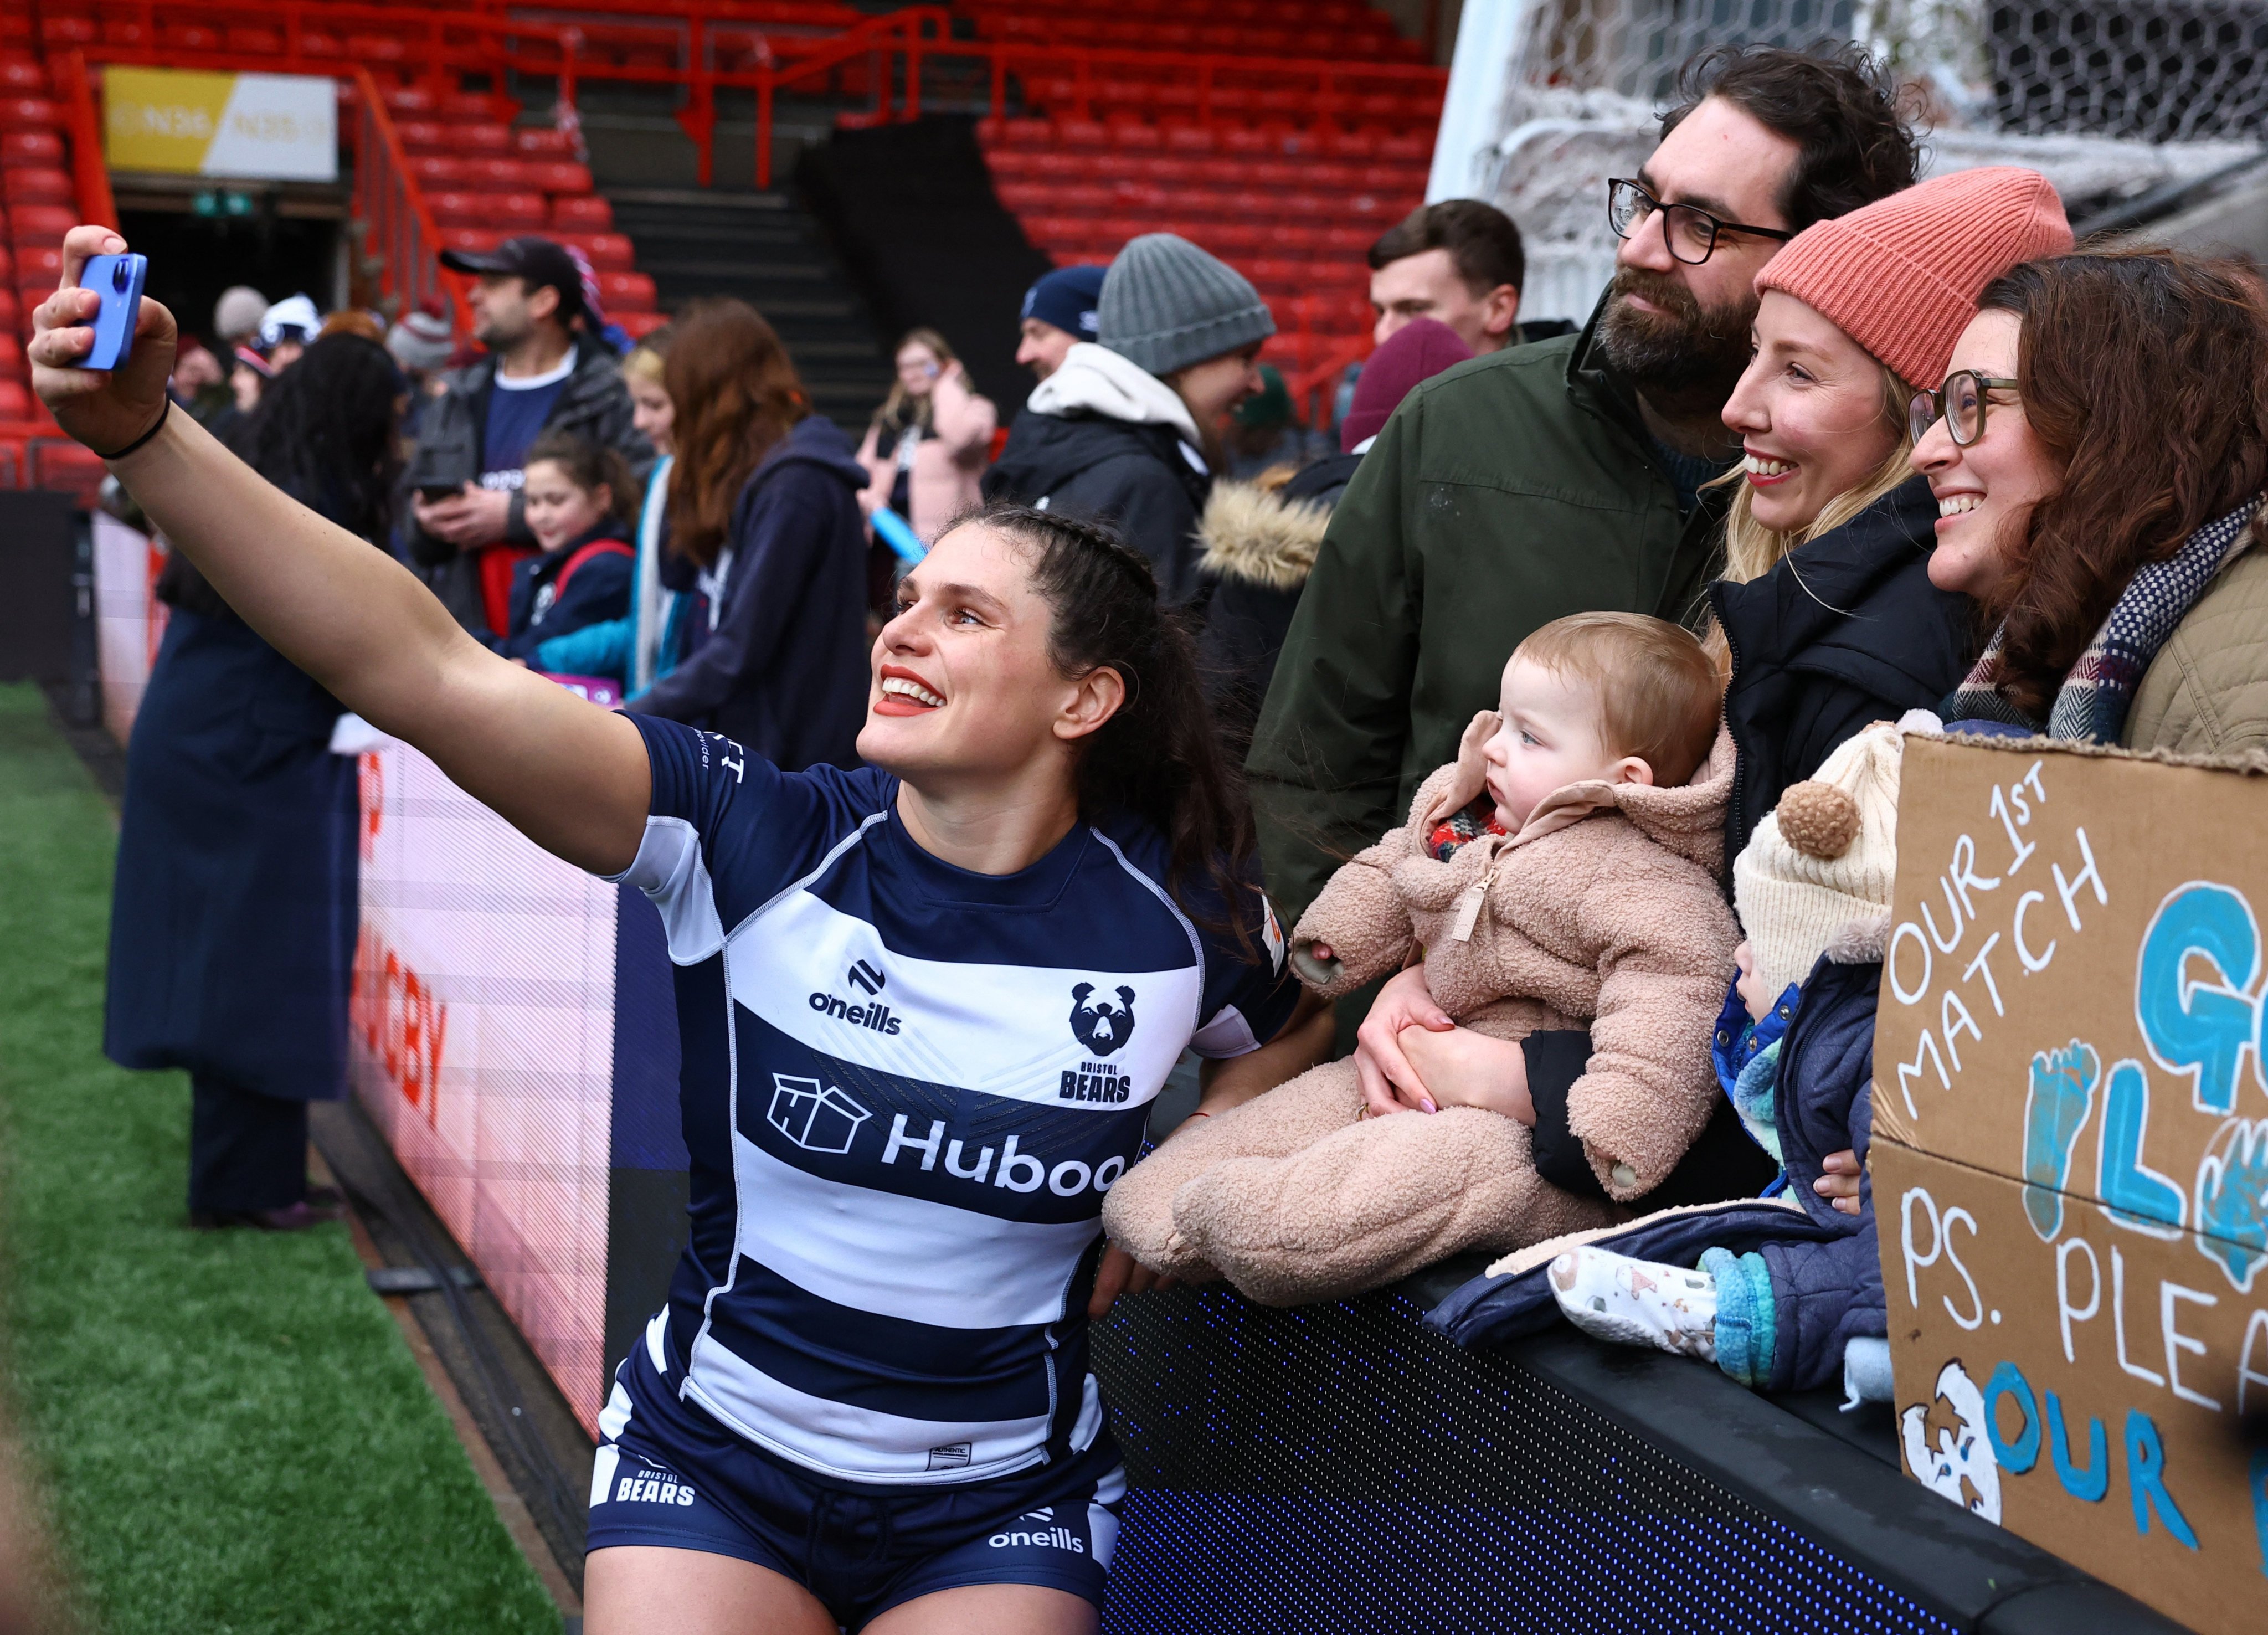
[(1833, 448)]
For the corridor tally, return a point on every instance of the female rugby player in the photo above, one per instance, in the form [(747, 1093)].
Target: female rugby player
[(923, 1008)]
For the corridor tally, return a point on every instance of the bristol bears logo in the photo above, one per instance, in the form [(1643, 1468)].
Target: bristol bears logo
[(1100, 1027)]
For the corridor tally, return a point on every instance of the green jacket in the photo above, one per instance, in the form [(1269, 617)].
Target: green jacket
[(2206, 692), (1505, 493)]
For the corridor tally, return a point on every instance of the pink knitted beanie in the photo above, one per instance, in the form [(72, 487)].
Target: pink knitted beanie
[(1902, 276)]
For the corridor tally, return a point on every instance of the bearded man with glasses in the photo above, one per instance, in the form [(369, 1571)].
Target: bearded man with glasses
[(1561, 477)]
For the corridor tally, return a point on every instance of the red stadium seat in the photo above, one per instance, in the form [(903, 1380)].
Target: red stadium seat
[(30, 114), (480, 136), (436, 170), (15, 400), (589, 213), (36, 184), (11, 315), (40, 224), (471, 240), (626, 292), (541, 143), (501, 212), (188, 37), (425, 135), (486, 106), (370, 50), (64, 465), (125, 32), (254, 40), (606, 252), (315, 42), (638, 325), (39, 148), (63, 32), (20, 77), (555, 176), (409, 102)]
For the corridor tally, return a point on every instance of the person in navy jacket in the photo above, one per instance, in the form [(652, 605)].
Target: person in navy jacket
[(581, 503), (766, 535), (234, 916)]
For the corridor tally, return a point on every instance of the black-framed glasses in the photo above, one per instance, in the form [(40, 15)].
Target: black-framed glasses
[(1690, 232), (1959, 403)]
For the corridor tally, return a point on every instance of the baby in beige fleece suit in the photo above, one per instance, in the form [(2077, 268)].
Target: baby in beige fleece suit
[(1560, 873)]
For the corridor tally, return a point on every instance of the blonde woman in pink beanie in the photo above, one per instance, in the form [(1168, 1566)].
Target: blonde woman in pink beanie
[(1826, 606)]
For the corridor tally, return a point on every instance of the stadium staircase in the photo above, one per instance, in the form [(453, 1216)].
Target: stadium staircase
[(760, 248)]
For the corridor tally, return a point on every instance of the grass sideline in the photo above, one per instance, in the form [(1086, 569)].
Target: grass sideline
[(226, 1430)]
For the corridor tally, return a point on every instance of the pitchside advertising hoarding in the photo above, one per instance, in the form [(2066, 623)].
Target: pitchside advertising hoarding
[(268, 127), (2071, 1159), (514, 1035)]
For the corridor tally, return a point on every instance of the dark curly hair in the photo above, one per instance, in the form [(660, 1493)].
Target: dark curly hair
[(2144, 375), (1159, 756), (1854, 127), (325, 432)]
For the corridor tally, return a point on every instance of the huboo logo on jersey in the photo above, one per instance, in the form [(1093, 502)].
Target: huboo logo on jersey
[(826, 1118), (1101, 1029)]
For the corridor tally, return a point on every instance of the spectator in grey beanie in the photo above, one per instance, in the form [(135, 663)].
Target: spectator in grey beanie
[(421, 343), (1126, 431), (236, 315)]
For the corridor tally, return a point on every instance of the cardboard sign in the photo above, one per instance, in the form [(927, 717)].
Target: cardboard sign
[(2071, 1159), (279, 127)]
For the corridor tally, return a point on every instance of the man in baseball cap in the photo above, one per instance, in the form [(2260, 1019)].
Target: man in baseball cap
[(543, 371)]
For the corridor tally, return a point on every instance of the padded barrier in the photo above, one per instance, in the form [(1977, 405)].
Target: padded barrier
[(1337, 1468)]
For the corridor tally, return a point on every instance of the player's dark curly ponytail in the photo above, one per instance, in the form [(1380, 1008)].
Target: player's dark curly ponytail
[(1159, 755)]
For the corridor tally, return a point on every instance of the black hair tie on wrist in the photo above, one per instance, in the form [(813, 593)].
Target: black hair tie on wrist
[(156, 426)]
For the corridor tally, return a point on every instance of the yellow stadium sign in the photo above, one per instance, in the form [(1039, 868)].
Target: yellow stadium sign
[(272, 127)]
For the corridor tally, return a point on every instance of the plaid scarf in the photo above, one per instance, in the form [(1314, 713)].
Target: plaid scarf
[(2091, 705)]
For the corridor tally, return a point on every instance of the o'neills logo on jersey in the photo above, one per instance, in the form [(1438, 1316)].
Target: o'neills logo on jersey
[(874, 1014), (1049, 1535)]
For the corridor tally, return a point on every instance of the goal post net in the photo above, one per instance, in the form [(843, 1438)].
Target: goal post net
[(2112, 101)]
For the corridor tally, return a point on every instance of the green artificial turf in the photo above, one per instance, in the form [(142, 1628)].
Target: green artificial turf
[(227, 1429)]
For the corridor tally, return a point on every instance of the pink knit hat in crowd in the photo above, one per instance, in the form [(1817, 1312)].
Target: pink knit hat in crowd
[(1902, 276), (1416, 352)]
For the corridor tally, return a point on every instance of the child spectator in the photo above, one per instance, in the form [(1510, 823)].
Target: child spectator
[(1785, 1292), (1561, 872), (579, 499), (1795, 1050), (641, 647)]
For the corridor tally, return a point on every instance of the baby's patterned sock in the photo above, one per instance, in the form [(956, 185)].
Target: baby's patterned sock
[(1638, 1302)]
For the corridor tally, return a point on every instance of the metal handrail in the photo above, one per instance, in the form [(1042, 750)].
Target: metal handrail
[(390, 209), (90, 176)]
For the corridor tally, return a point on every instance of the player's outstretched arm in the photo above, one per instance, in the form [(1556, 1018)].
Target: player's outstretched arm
[(572, 778)]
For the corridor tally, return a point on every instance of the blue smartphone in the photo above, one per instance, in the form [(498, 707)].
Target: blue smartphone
[(118, 280)]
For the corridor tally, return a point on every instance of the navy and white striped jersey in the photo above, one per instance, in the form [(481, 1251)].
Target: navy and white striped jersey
[(906, 1088)]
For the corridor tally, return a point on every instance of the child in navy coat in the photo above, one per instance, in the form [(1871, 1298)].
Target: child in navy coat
[(1782, 1293), (581, 503)]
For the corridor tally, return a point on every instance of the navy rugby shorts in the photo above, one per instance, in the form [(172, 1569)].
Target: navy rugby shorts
[(669, 1475)]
